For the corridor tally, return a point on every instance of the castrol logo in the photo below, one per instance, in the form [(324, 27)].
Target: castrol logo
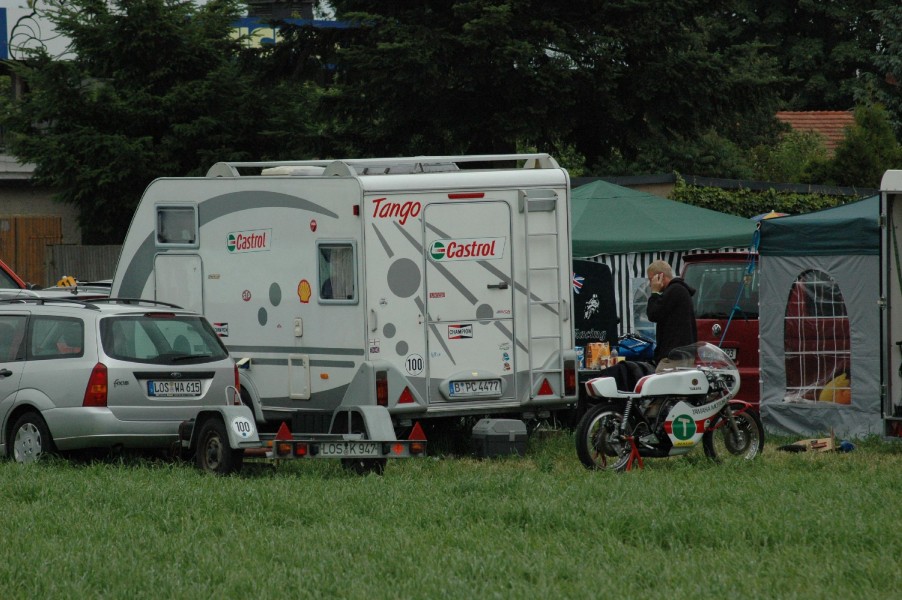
[(387, 209), (249, 241), (467, 249)]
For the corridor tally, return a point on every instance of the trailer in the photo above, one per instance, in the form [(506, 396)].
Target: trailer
[(355, 293)]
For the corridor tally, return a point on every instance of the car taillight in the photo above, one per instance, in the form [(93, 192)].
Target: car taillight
[(96, 392), (237, 380), (382, 388)]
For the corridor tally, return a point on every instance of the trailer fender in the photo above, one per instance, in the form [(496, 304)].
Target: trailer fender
[(239, 422), (373, 421), (362, 389)]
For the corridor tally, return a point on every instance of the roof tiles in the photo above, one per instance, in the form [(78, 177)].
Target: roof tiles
[(829, 123)]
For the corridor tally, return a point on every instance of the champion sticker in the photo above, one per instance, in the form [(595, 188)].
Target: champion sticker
[(221, 329), (459, 332)]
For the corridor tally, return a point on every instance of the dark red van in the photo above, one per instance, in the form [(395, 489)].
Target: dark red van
[(726, 310)]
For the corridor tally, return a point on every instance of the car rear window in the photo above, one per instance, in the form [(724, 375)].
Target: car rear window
[(720, 286), (161, 339)]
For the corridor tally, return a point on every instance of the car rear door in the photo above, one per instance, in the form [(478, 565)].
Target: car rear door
[(12, 358)]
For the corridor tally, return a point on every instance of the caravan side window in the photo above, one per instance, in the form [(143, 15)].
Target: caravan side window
[(337, 272), (177, 226)]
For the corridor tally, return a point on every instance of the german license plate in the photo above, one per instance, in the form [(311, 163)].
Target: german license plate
[(349, 449), (479, 387), (173, 389), (731, 352)]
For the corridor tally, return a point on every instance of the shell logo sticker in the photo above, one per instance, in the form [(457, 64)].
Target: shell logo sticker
[(304, 291)]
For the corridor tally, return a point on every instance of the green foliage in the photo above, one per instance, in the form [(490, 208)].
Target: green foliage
[(155, 87), (785, 162), (747, 203), (867, 151)]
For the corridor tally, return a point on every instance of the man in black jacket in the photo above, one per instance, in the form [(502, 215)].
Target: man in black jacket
[(670, 308)]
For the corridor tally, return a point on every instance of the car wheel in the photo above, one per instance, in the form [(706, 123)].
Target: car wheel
[(214, 454), (30, 439)]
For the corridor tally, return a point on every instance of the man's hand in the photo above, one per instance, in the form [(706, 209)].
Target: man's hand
[(657, 283)]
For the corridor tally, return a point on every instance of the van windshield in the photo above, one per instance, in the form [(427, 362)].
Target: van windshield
[(721, 286), (161, 340)]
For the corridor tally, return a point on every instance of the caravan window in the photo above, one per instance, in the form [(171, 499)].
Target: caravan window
[(817, 341), (337, 272), (177, 226)]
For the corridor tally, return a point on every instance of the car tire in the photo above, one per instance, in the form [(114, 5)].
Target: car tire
[(29, 438), (214, 454)]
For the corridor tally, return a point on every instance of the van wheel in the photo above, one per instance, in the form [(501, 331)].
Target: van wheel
[(214, 455), (30, 439), (365, 466)]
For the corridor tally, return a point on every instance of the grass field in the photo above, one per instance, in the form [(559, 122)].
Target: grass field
[(784, 526)]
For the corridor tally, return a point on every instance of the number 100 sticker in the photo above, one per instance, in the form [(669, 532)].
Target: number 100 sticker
[(414, 364)]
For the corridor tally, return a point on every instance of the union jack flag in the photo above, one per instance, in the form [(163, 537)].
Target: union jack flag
[(577, 283)]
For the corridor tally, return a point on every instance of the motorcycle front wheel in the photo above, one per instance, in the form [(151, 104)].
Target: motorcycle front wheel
[(723, 443), (598, 440)]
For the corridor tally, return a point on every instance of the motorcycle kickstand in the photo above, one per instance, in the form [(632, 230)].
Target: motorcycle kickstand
[(634, 454)]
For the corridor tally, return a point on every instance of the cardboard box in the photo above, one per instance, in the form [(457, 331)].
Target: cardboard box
[(499, 437)]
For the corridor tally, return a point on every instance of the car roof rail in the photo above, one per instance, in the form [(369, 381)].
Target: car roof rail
[(42, 300), (136, 301)]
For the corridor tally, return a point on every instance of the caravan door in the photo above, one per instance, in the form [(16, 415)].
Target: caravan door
[(469, 300)]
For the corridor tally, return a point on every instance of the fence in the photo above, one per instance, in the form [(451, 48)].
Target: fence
[(85, 263)]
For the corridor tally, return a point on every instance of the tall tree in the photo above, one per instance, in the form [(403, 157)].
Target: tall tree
[(615, 79), (151, 88)]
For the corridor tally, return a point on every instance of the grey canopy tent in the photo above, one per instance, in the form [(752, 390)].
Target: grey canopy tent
[(819, 321), (627, 229)]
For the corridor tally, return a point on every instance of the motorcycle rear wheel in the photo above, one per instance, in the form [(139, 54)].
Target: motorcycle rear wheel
[(723, 444), (598, 440)]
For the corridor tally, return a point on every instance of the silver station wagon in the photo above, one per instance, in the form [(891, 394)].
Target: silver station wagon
[(104, 373)]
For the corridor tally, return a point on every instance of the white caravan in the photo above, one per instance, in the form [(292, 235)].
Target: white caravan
[(422, 284)]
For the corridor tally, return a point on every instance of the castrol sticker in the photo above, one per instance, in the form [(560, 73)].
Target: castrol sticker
[(242, 426), (257, 240), (467, 249)]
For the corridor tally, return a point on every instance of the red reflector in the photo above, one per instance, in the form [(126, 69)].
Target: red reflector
[(300, 450), (406, 397), (417, 433), (466, 195), (545, 390), (398, 449), (382, 388), (356, 210), (284, 433), (96, 392)]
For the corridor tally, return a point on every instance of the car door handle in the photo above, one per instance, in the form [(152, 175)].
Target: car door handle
[(5, 372), (501, 285)]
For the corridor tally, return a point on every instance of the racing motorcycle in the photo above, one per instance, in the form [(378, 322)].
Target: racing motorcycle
[(688, 400)]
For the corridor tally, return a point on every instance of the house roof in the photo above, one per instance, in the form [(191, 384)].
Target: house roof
[(829, 123)]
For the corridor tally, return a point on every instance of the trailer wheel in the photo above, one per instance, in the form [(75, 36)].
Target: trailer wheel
[(214, 455), (364, 466)]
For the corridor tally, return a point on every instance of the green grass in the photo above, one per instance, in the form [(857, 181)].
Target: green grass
[(783, 526)]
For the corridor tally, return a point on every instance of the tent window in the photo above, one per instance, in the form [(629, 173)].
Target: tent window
[(816, 341)]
